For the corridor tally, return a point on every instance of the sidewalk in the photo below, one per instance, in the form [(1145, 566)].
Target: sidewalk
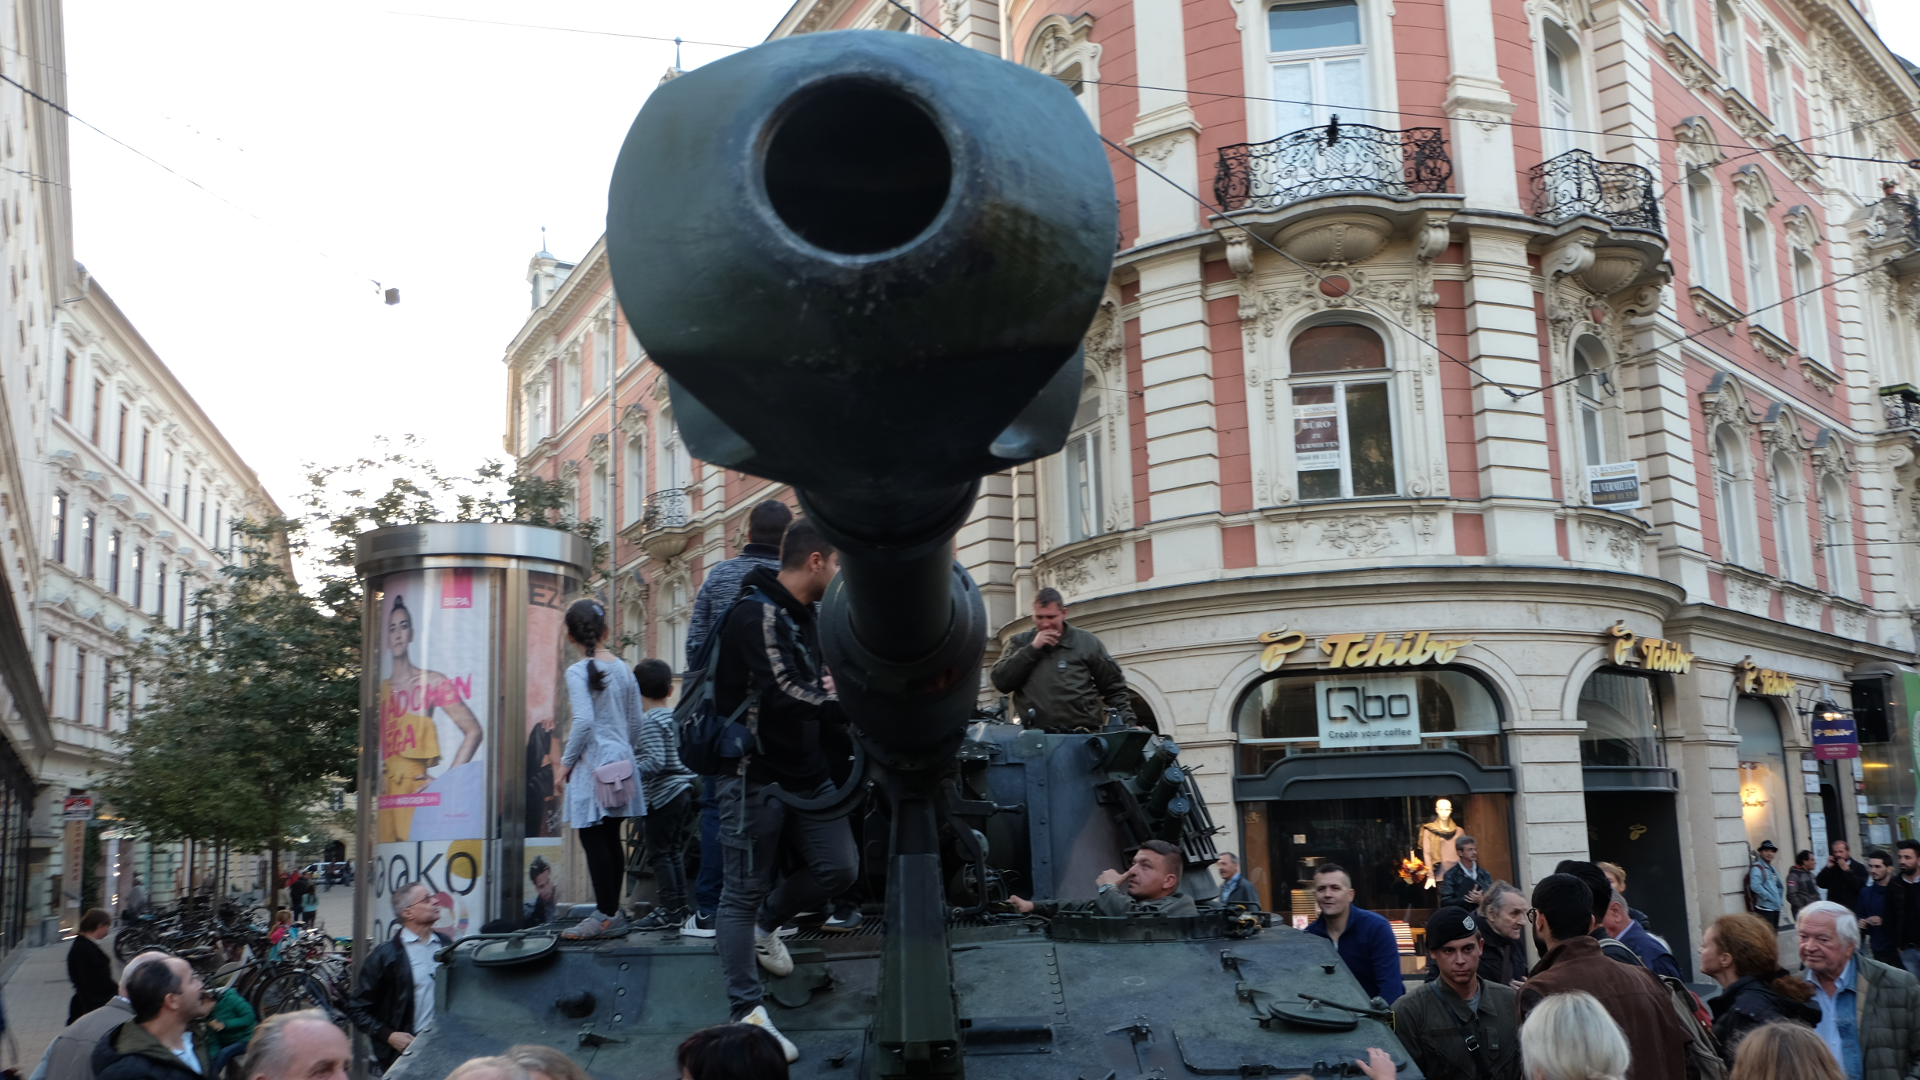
[(36, 993)]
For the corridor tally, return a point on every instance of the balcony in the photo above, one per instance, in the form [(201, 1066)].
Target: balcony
[(665, 528), (1577, 183), (1901, 404), (1893, 233), (1337, 158)]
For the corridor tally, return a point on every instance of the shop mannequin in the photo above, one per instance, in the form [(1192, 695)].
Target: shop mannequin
[(1436, 842)]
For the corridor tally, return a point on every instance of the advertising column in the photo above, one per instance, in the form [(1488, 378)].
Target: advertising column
[(437, 634)]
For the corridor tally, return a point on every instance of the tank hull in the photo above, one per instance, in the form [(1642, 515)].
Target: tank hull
[(1032, 1006)]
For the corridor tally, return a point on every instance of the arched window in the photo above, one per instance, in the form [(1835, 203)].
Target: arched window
[(599, 511), (1808, 310), (1836, 536), (678, 471), (1343, 445), (1286, 714), (1620, 721), (1706, 256), (673, 628), (1559, 104), (603, 350), (1763, 772), (1084, 486), (1729, 488), (1318, 59), (1789, 525)]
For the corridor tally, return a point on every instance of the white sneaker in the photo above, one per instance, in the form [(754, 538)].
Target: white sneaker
[(758, 1018), (772, 953), (787, 930), (698, 925)]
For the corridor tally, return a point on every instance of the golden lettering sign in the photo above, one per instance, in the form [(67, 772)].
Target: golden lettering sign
[(1653, 653), (1766, 682), (1347, 651)]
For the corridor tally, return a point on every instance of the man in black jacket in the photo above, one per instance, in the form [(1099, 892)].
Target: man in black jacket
[(1842, 877), (393, 994), (155, 1045), (769, 657), (88, 967)]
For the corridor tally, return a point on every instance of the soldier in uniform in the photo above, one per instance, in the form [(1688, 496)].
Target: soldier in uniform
[(1459, 1026), (1061, 678), (1151, 884)]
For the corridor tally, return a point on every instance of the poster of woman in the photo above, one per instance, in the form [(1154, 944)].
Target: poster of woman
[(435, 674)]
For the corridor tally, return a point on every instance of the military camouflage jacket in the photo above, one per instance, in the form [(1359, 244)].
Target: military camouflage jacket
[(1428, 1021), (1070, 685), (1115, 901)]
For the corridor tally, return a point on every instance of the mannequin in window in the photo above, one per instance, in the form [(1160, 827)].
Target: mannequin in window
[(1437, 840)]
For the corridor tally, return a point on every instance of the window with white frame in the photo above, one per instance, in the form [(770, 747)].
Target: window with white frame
[(1318, 58), (678, 472), (1730, 491), (1756, 246), (1593, 394), (1559, 105), (1706, 256), (1789, 543), (1808, 311), (1677, 15), (598, 510), (1779, 92), (636, 473), (1343, 444), (1084, 485), (1729, 55), (603, 351), (1836, 537), (570, 387), (633, 346)]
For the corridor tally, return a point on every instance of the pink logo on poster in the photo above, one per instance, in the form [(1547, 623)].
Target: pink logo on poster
[(456, 589), (402, 802)]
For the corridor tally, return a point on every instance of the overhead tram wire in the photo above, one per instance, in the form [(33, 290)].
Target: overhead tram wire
[(569, 30), (122, 143)]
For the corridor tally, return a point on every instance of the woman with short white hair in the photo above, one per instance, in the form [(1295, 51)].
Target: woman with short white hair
[(1572, 1037)]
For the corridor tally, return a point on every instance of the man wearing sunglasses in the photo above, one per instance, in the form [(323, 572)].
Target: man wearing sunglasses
[(393, 997)]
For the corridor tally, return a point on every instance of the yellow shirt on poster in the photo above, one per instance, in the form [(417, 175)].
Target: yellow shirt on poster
[(409, 745)]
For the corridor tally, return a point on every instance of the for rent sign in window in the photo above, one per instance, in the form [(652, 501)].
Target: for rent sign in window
[(1614, 487)]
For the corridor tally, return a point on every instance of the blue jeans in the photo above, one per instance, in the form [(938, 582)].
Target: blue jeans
[(1910, 959), (706, 887)]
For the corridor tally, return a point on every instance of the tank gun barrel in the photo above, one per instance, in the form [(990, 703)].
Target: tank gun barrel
[(867, 262)]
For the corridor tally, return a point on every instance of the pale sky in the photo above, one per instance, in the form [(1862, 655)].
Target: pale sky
[(424, 153)]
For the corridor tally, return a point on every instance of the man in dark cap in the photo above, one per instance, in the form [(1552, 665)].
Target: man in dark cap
[(1763, 882), (1459, 1026)]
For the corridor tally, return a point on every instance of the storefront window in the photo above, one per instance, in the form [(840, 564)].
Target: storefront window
[(1286, 714), (1621, 722), (1763, 775)]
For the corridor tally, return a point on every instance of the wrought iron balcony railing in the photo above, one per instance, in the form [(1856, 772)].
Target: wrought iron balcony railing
[(665, 509), (1576, 182), (1902, 406), (1895, 217), (1333, 158)]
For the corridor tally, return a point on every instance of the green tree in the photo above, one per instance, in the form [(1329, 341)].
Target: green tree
[(251, 712)]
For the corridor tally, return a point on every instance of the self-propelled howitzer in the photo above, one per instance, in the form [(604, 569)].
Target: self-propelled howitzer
[(867, 261)]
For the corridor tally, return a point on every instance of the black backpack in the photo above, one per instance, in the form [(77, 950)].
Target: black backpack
[(711, 744)]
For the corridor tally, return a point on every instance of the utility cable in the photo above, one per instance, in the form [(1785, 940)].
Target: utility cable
[(569, 30), (64, 111)]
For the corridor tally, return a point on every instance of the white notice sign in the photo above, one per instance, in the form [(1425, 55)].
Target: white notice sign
[(1369, 712), (1614, 487)]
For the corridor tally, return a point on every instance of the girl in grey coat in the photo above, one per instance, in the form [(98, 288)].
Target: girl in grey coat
[(606, 708)]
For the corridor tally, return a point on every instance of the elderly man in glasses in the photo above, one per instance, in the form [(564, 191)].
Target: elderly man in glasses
[(393, 997)]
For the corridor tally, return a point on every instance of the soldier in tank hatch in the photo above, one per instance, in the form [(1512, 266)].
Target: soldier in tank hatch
[(1150, 884), (1061, 677)]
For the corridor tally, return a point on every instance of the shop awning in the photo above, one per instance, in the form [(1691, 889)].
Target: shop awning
[(1372, 774)]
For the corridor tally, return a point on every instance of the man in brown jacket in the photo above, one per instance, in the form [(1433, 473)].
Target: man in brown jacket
[(1570, 960)]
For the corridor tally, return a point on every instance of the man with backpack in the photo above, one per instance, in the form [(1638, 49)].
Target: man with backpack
[(768, 675), (766, 523)]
